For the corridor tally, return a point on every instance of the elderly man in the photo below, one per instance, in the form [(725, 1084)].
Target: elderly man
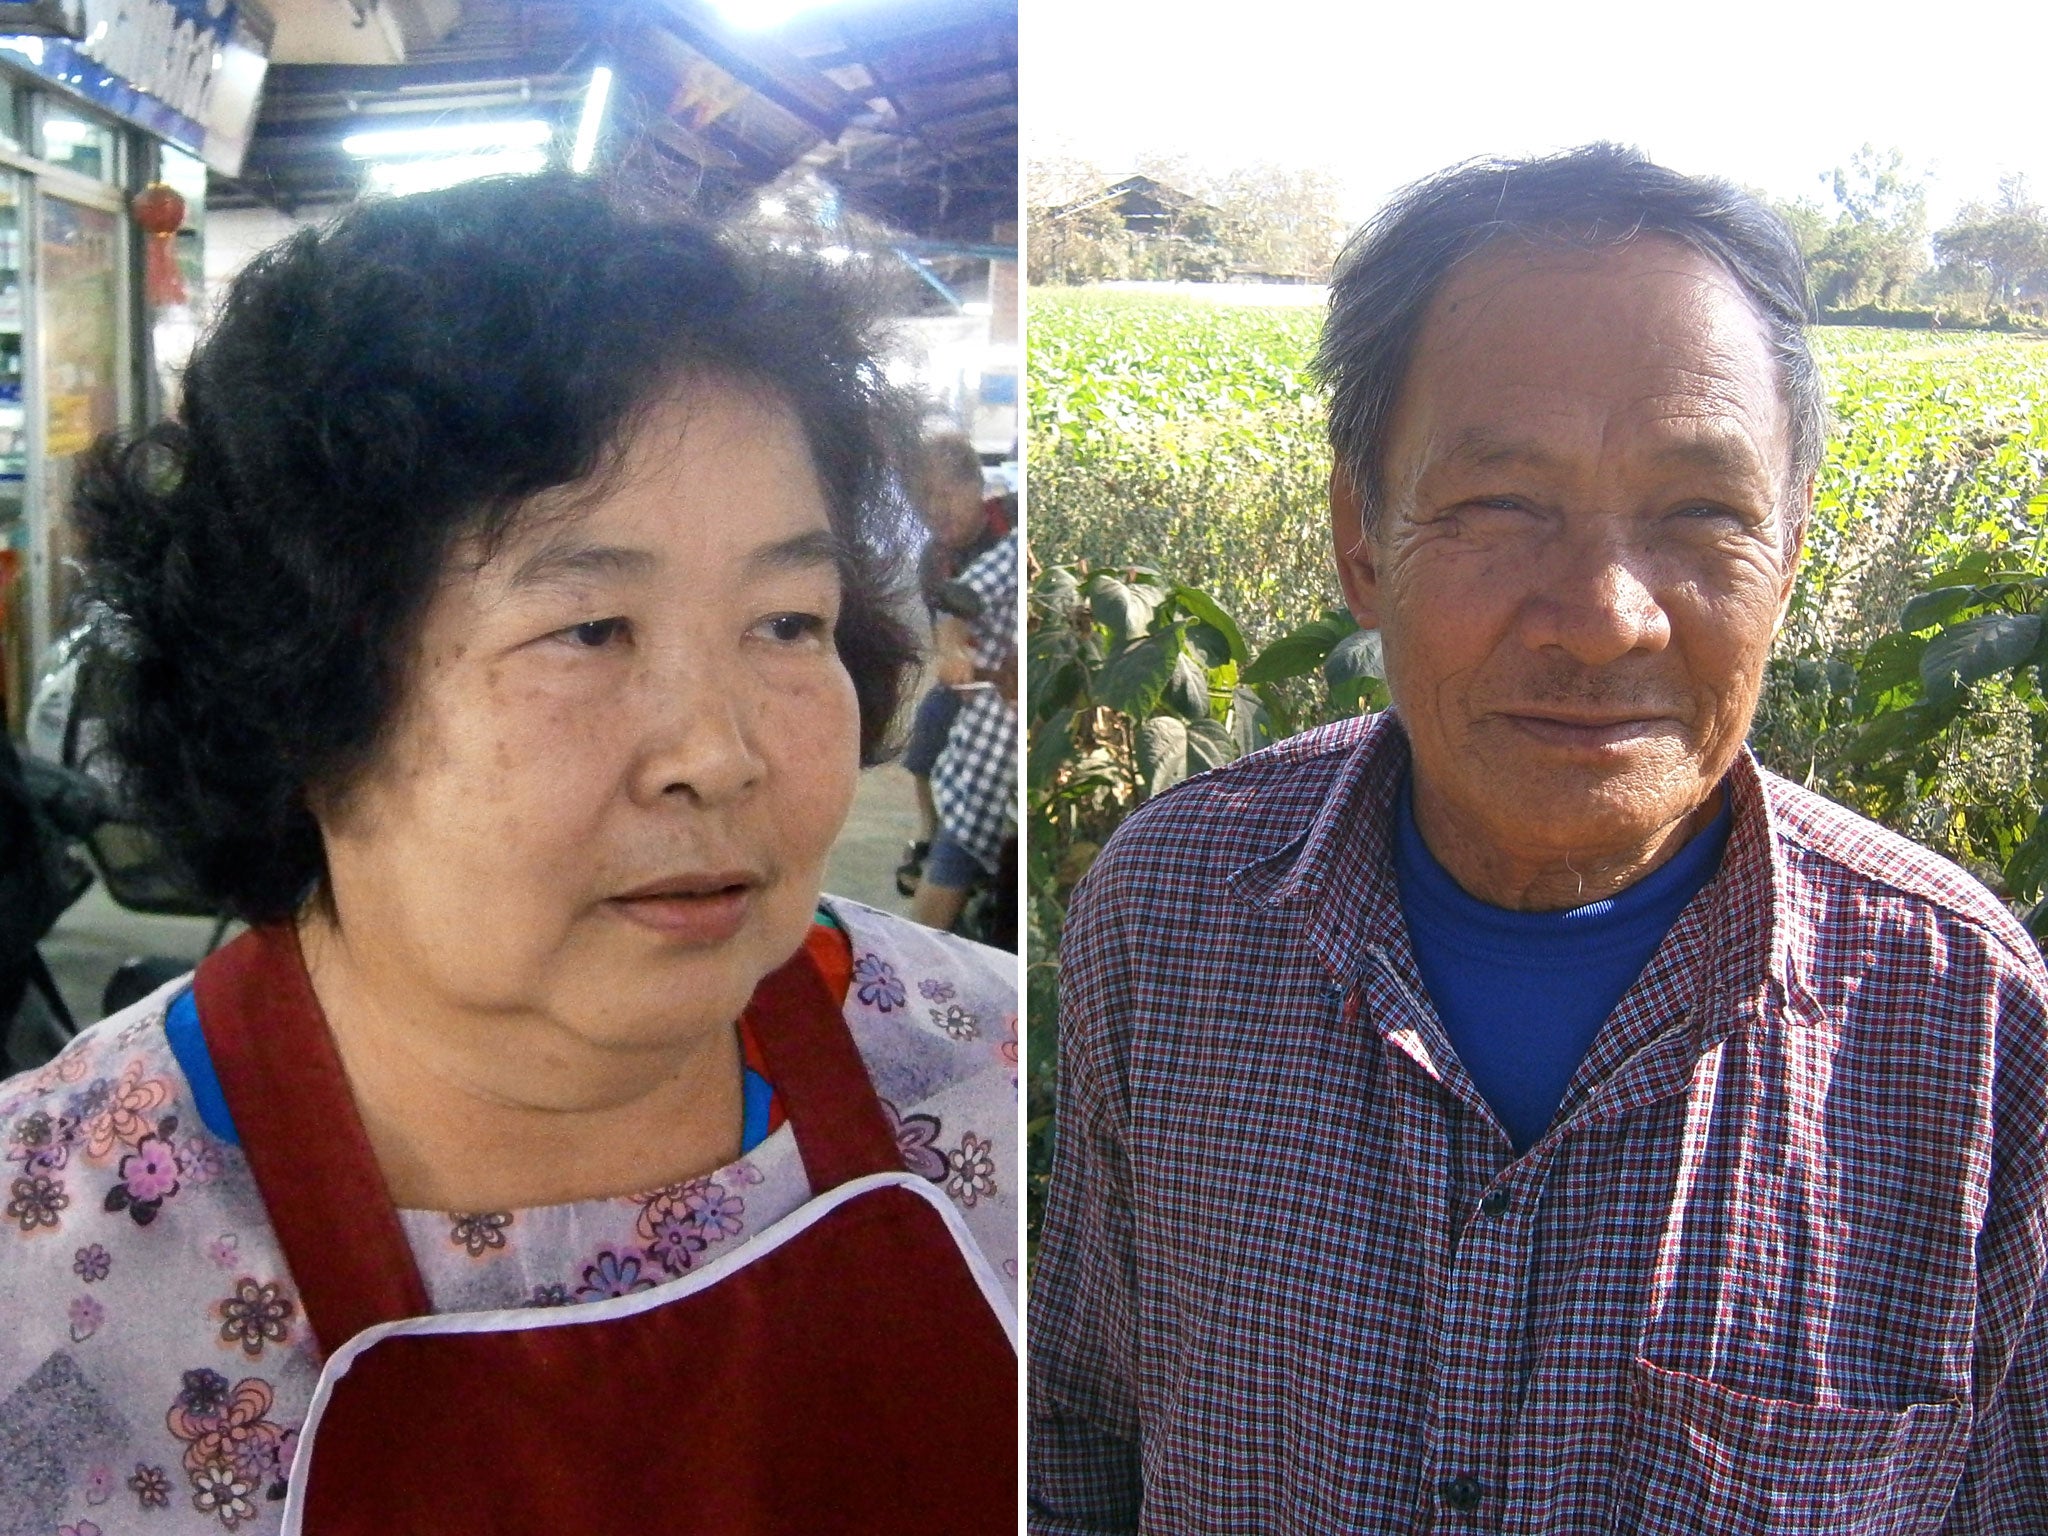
[(1519, 1112)]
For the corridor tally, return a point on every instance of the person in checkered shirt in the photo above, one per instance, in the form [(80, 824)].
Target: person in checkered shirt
[(1519, 1111)]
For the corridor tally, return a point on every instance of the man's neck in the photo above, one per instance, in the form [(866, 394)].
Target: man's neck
[(468, 1110), (1546, 879)]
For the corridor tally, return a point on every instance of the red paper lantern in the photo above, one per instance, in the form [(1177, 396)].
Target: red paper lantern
[(159, 211)]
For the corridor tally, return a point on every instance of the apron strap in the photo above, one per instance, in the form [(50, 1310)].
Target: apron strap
[(322, 1189), (796, 1017)]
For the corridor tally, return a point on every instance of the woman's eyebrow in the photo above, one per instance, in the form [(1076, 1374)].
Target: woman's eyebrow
[(567, 562), (818, 547)]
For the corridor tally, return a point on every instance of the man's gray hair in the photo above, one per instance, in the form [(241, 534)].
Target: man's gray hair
[(1598, 195)]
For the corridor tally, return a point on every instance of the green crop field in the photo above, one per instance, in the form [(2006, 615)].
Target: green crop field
[(1187, 435)]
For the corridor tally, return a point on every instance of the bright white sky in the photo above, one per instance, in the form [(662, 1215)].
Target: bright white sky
[(1769, 93)]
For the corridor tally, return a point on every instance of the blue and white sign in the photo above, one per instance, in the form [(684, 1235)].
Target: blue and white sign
[(189, 71)]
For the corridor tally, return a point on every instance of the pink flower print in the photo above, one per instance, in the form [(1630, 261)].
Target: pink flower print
[(744, 1172), (199, 1161), (1008, 1049), (916, 1138), (37, 1202), (84, 1527), (614, 1274), (230, 1433), (675, 1243), (255, 1315), (712, 1211), (91, 1263), (149, 1177), (86, 1317), (971, 1170), (877, 984), (151, 1486), (935, 991), (99, 1485), (217, 1491), (225, 1251), (124, 1120)]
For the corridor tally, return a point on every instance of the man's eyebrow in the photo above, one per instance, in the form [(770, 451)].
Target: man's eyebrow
[(804, 551), (568, 562), (1480, 448)]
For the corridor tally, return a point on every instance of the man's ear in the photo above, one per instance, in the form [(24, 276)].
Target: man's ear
[(1804, 508), (1358, 571)]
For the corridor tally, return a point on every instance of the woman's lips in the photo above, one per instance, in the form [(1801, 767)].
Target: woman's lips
[(692, 918)]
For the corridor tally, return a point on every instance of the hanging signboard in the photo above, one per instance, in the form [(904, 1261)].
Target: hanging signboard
[(188, 71)]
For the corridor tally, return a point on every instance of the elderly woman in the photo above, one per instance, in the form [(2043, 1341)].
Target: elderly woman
[(504, 628)]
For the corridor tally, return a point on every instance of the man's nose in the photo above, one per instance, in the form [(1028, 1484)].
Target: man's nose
[(700, 741), (1595, 599)]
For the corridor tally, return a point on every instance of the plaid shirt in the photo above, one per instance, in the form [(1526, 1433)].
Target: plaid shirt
[(1773, 1268), (974, 781)]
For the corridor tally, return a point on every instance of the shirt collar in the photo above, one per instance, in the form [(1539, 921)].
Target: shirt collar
[(1338, 875)]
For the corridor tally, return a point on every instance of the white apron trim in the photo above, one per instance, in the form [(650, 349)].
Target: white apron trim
[(517, 1319)]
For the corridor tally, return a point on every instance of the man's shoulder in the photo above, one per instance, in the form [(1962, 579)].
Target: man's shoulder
[(1827, 842), (1220, 820)]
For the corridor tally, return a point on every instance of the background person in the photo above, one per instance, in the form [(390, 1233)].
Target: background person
[(505, 632), (948, 492), (1518, 1110)]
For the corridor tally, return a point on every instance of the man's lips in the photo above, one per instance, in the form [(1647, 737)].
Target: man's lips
[(1587, 731), (694, 909)]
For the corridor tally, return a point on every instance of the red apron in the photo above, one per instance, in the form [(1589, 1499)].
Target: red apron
[(852, 1368)]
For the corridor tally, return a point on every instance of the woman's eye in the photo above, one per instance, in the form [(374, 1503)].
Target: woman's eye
[(596, 633), (792, 627)]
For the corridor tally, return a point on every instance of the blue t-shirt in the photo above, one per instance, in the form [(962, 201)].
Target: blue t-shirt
[(1523, 994)]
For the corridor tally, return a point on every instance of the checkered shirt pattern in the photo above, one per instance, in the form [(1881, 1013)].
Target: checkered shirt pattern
[(1775, 1267), (974, 781)]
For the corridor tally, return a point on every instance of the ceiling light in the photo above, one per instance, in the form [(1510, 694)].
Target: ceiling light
[(593, 119), (399, 177), (450, 138)]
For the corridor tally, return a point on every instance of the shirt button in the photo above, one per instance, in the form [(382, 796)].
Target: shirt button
[(1494, 1203), (1459, 1493)]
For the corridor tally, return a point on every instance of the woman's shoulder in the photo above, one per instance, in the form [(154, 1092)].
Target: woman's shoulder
[(141, 1287)]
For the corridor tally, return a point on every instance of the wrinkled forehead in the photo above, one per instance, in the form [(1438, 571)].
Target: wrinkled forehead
[(1645, 336)]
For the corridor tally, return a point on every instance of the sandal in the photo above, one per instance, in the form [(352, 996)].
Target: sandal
[(911, 870)]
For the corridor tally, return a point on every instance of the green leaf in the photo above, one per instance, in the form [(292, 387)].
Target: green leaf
[(1211, 644), (1162, 754), (1171, 749), (1187, 691), (1891, 662), (1897, 729), (1977, 648), (2027, 870), (1052, 745), (1299, 652), (1250, 722), (1122, 609), (1204, 607), (1356, 656), (1210, 745), (1135, 676), (1936, 607), (1054, 685)]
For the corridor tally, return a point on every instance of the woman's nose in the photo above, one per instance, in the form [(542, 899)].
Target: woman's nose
[(701, 742)]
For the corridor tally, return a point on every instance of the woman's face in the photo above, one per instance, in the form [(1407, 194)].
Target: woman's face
[(626, 744)]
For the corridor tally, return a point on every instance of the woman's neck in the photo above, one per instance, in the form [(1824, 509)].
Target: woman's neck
[(474, 1110)]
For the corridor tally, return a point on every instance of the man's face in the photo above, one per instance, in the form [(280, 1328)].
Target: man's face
[(1582, 551)]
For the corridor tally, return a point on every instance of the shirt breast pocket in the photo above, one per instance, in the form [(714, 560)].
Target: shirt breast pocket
[(1698, 1457)]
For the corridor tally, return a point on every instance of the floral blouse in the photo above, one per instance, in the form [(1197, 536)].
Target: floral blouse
[(154, 1363)]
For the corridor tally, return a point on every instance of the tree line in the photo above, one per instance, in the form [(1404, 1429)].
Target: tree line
[(1866, 238)]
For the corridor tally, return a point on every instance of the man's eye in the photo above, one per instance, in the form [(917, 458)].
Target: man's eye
[(596, 633)]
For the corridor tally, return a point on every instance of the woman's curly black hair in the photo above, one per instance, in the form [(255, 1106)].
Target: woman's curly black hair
[(415, 374)]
